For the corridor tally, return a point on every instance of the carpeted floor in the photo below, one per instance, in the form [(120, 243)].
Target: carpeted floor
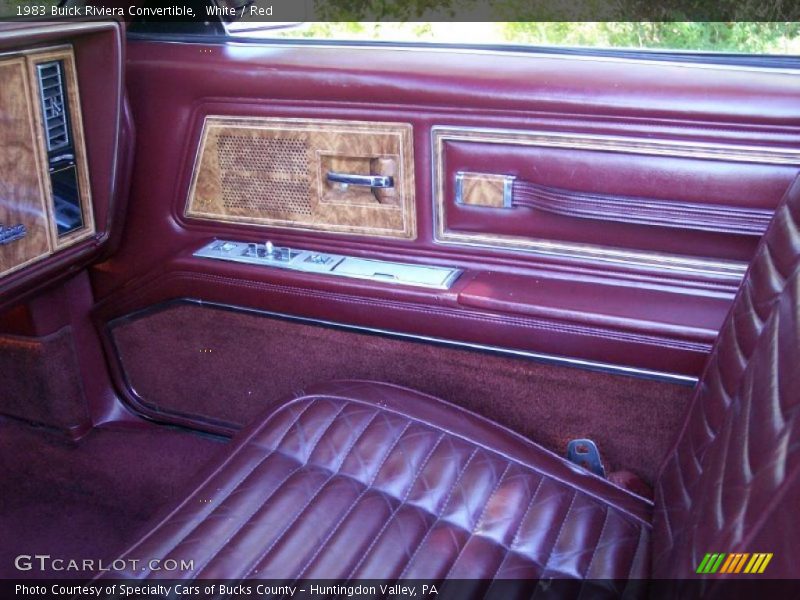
[(229, 366), (89, 499)]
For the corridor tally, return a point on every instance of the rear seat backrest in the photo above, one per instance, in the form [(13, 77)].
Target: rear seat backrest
[(731, 483)]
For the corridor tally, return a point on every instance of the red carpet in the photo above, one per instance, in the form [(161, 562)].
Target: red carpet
[(91, 498)]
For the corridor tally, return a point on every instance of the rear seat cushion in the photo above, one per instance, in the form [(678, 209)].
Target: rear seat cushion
[(367, 480)]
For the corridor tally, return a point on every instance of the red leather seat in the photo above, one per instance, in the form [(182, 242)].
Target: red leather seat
[(731, 483), (359, 479), (369, 480)]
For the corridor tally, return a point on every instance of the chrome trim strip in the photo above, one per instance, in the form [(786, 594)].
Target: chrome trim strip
[(372, 181), (508, 190), (730, 270), (459, 188), (121, 95), (535, 356), (59, 109), (325, 263)]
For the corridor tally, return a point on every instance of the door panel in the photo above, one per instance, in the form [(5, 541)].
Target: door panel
[(657, 140)]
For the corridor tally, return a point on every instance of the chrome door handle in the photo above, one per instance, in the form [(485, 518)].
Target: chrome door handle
[(372, 181), (12, 233)]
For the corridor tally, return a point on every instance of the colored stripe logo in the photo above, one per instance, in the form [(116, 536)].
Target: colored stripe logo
[(734, 563)]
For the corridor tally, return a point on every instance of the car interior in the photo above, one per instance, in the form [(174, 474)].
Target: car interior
[(289, 311)]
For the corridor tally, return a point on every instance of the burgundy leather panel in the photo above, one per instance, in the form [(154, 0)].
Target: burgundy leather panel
[(125, 161), (735, 469), (653, 177), (41, 381), (99, 56), (67, 306), (262, 80), (427, 88), (641, 310), (641, 211), (509, 81), (403, 310), (394, 484)]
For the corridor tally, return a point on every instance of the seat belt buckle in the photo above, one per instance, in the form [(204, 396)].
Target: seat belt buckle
[(584, 453)]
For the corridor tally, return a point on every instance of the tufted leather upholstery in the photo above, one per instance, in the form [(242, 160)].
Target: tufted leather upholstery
[(736, 465), (360, 480), (366, 480)]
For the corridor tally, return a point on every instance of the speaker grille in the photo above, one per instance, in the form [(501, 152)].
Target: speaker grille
[(264, 175)]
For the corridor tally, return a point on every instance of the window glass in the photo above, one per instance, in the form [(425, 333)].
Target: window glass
[(739, 37)]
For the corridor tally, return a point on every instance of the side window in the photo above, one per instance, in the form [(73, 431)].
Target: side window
[(400, 22), (733, 37)]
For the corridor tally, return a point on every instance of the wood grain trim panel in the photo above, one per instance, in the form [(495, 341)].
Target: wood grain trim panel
[(67, 57), (272, 172), (22, 172), (27, 193), (440, 135), (483, 189)]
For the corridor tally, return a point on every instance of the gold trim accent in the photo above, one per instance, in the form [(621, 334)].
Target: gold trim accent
[(675, 263)]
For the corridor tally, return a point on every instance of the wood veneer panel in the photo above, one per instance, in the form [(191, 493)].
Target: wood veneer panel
[(25, 187), (272, 172), (67, 58), (22, 181), (481, 189)]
